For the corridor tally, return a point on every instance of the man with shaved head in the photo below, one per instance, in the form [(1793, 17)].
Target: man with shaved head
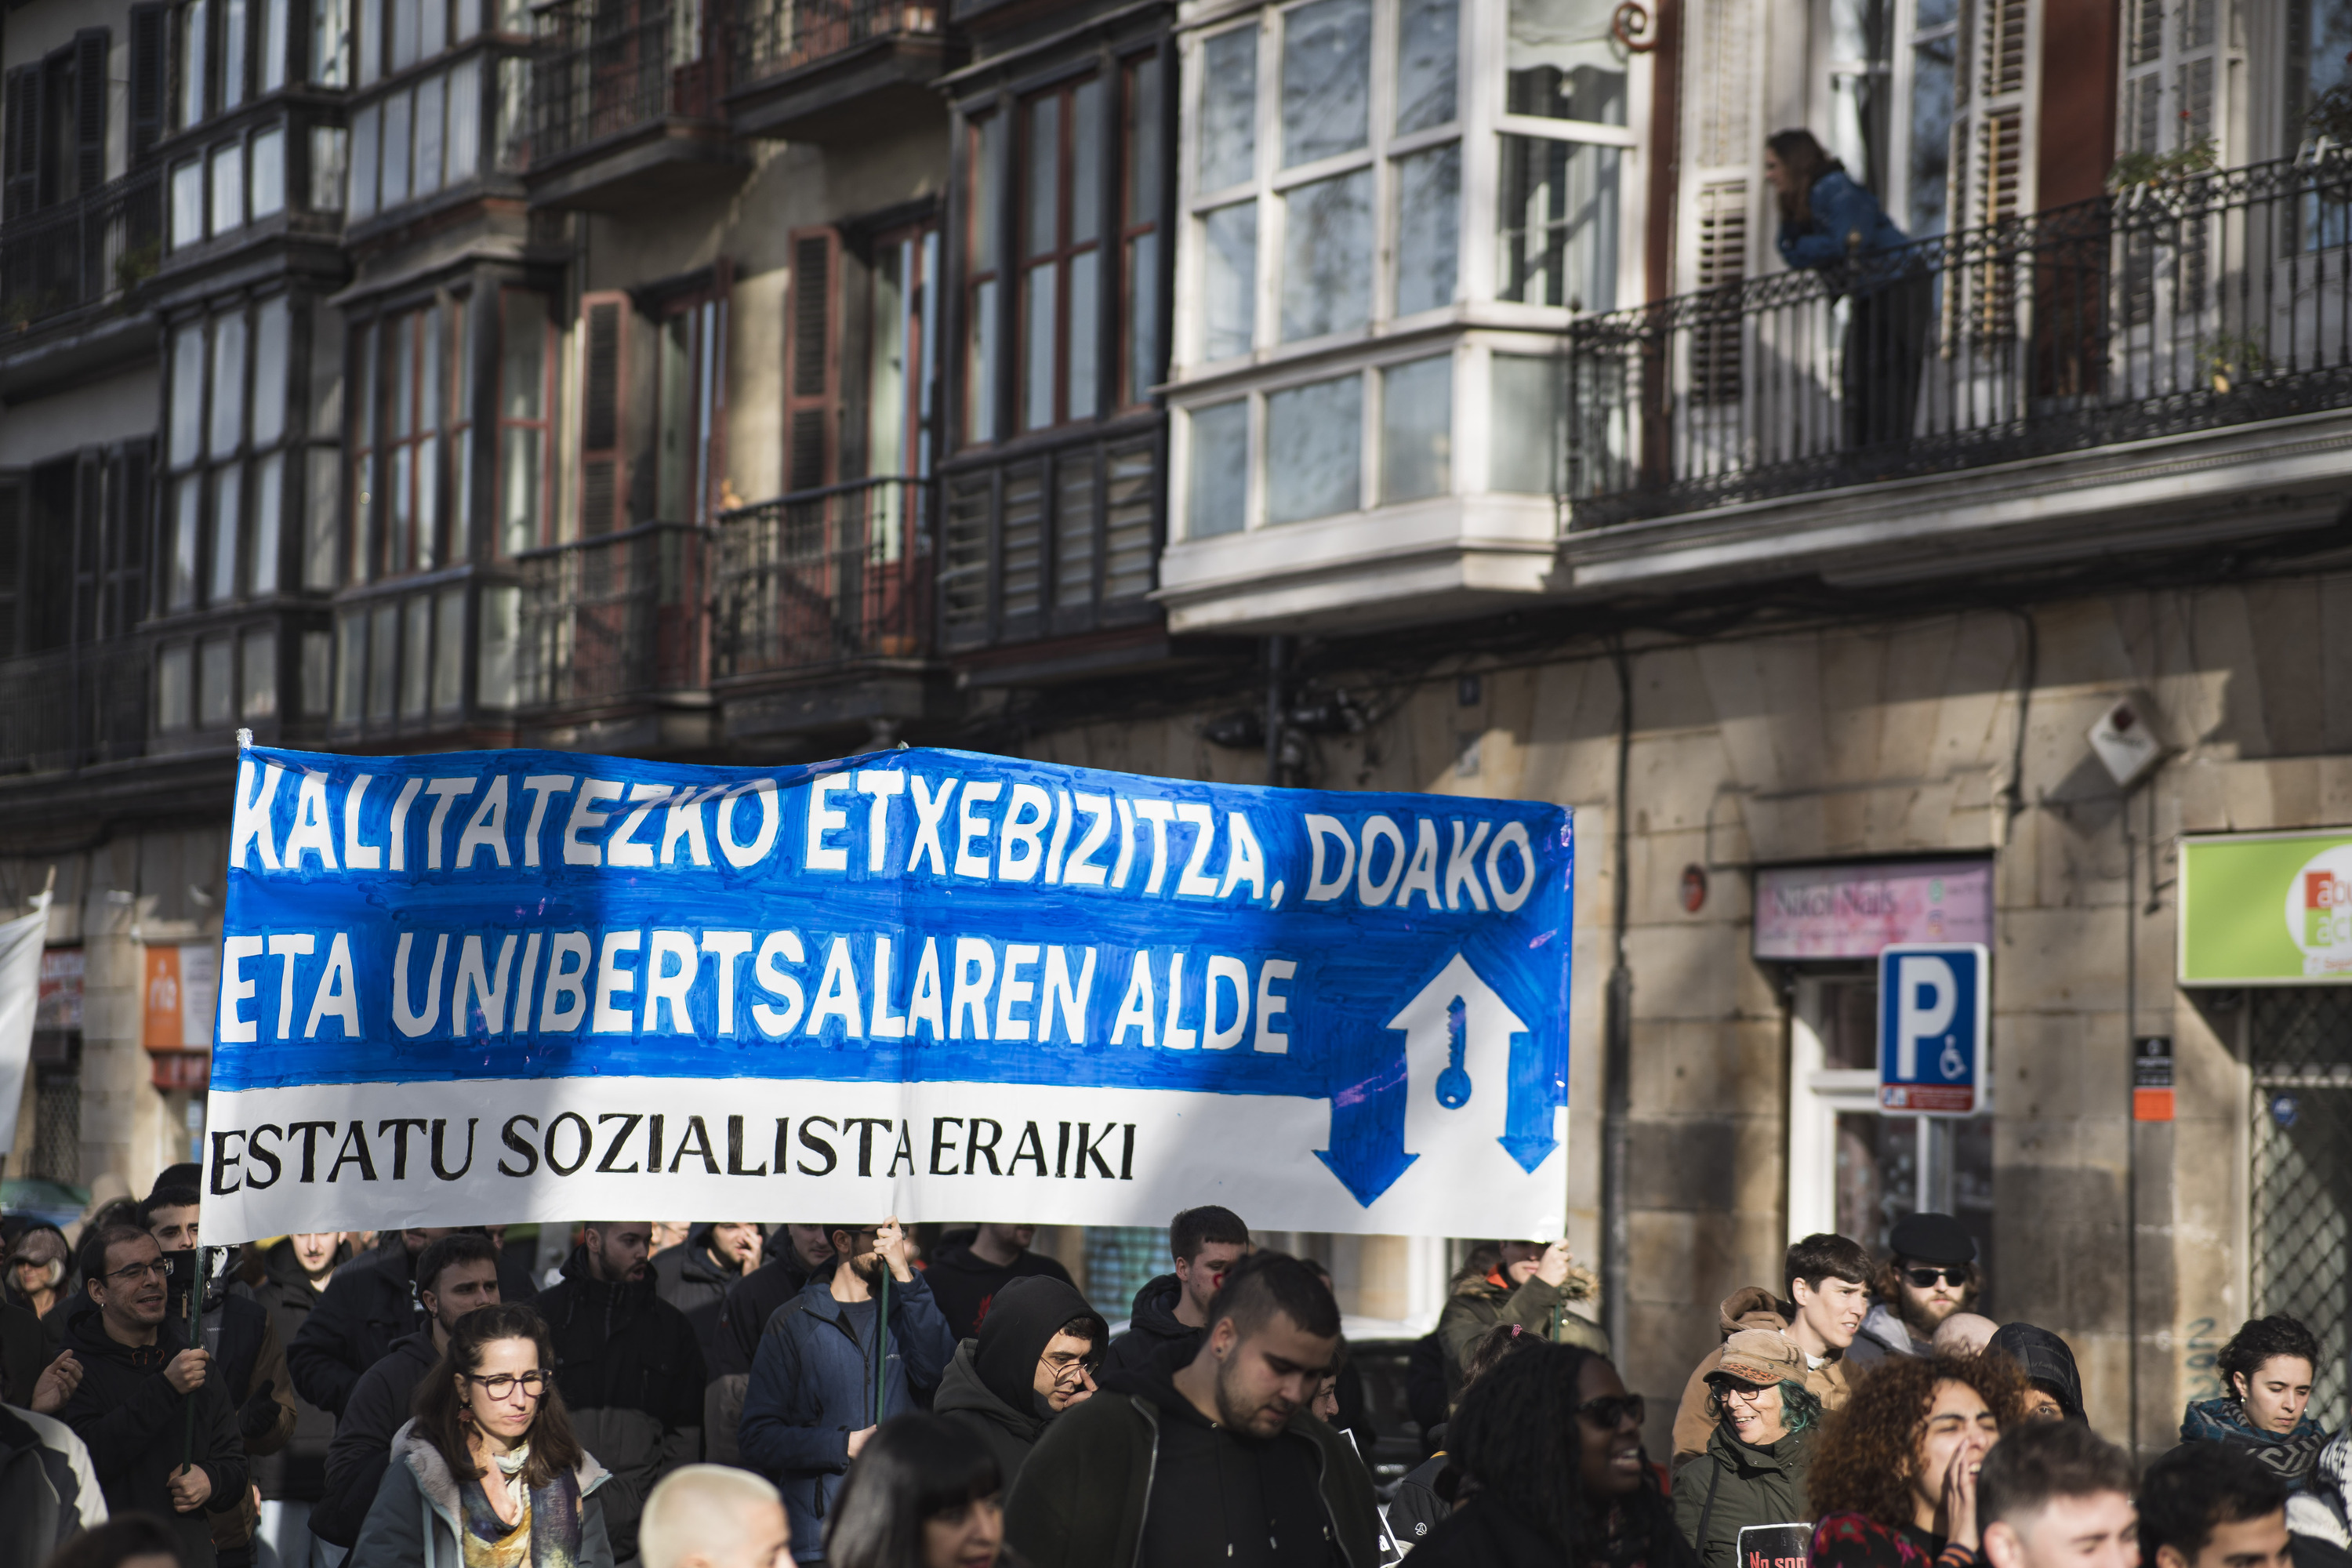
[(714, 1516)]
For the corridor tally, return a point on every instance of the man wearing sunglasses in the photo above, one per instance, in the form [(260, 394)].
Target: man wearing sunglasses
[(1931, 1275), (139, 1378)]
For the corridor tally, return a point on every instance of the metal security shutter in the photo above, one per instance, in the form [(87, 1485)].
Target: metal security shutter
[(604, 470), (150, 68), (90, 48), (2299, 1047), (20, 158)]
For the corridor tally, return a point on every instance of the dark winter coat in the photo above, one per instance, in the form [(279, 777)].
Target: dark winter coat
[(743, 1317), (298, 1470), (812, 1384), (1732, 1485), (631, 1373), (964, 1283), (991, 1386), (24, 1353), (690, 1278), (1154, 1330), (1423, 1499), (134, 1427), (46, 1499), (1488, 1533), (1477, 1305), (1099, 1475), (381, 1403), (370, 1303), (1882, 1336)]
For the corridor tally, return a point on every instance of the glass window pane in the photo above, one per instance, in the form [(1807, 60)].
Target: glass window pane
[(416, 656), (350, 664), (449, 650), (1417, 429), (228, 189), (361, 201), (980, 396), (215, 682), (260, 675), (187, 203), (1327, 79), (494, 673), (195, 68), (229, 532), (269, 172), (397, 110), (522, 368), (1143, 127), (1558, 218), (1086, 305), (174, 683), (1319, 428), (1229, 289), (1038, 339), (1931, 132), (330, 42), (318, 672), (673, 416), (382, 662), (465, 120), (187, 393), (1523, 423), (273, 44), (1428, 33), (272, 326), (512, 135), (1228, 154), (406, 28), (1087, 131), (1220, 487), (1041, 196), (330, 151), (1429, 227), (469, 19), (519, 468), (371, 40), (987, 160), (433, 26), (1561, 62), (1327, 264), (187, 509), (268, 518), (1143, 317), (319, 512), (431, 118), (232, 76), (228, 384)]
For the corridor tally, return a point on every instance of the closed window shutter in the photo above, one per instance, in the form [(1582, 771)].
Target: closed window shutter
[(22, 163), (149, 63), (90, 108), (12, 561), (602, 479), (812, 360)]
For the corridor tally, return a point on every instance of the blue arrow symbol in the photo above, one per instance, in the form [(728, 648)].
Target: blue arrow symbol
[(1367, 1152), (1536, 1093)]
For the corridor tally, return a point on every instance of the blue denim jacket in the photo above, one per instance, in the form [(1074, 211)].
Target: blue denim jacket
[(1847, 223)]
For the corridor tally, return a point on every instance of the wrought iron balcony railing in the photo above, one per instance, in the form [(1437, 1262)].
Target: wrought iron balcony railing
[(773, 37), (615, 619), (605, 68), (822, 578), (74, 706), (2195, 303), (81, 252)]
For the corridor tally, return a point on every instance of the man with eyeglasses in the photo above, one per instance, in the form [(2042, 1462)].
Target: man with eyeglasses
[(455, 1274), (140, 1376), (1931, 1275), (1034, 1358)]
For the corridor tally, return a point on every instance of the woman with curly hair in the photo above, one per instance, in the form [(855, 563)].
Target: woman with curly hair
[(2267, 1369), (1753, 1471), (1549, 1443), (1895, 1476)]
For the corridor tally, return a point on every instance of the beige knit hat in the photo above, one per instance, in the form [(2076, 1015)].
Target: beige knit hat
[(1762, 1357)]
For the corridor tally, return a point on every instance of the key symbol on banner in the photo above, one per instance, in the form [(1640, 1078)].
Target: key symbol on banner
[(1453, 1082)]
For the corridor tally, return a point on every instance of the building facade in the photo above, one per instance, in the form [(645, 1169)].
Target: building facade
[(1363, 394)]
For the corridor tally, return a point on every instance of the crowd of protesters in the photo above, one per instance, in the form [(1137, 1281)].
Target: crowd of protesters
[(730, 1395)]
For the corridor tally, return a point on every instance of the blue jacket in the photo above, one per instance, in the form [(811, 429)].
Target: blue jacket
[(1846, 222), (812, 1383)]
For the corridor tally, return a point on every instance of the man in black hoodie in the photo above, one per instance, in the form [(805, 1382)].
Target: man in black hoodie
[(965, 1276), (1173, 1310), (370, 1304), (139, 1379), (1032, 1359), (456, 1275), (629, 1367), (1210, 1460), (696, 1275)]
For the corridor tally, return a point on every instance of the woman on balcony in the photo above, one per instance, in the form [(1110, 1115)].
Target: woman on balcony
[(1831, 224)]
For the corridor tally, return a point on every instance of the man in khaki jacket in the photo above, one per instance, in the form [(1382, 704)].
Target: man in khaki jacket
[(1828, 1281)]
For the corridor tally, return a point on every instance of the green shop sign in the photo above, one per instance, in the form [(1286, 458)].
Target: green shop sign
[(2266, 909)]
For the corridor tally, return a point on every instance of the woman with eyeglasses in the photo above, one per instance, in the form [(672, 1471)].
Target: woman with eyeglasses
[(1893, 1479), (1549, 1447), (488, 1475), (922, 1493), (1930, 1275), (1753, 1471)]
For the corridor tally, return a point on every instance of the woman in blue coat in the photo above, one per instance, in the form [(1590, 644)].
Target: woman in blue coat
[(1830, 223)]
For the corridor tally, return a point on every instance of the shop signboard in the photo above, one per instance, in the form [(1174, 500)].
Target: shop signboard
[(1822, 912), (2266, 909)]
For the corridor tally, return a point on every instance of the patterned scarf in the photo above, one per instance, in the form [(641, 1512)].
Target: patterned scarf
[(2289, 1456), (546, 1532)]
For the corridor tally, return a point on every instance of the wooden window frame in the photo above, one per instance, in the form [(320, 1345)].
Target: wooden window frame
[(983, 204), (542, 525), (1062, 259), (812, 384)]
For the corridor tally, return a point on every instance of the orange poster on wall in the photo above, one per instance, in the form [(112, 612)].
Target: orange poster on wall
[(181, 985)]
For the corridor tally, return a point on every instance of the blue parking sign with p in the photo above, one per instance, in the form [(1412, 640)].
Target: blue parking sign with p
[(1934, 1019)]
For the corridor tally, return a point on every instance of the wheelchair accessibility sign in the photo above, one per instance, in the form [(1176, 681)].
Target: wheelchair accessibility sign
[(1935, 1018)]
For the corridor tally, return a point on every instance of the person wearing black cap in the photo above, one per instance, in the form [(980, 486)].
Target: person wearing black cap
[(2049, 1363), (1930, 1274), (1034, 1358)]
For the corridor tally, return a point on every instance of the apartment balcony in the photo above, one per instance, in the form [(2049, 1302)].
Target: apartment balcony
[(825, 613), (615, 646), (66, 274), (627, 105), (2164, 367), (826, 71)]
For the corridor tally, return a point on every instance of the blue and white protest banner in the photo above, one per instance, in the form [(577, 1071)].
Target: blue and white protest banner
[(521, 985)]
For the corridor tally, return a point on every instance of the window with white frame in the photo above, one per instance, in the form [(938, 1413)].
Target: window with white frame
[(1565, 115), (1893, 80)]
